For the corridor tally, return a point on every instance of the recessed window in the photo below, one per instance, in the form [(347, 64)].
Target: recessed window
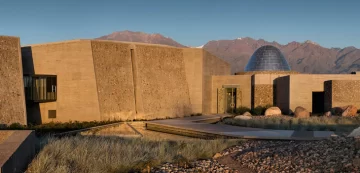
[(40, 88), (52, 113)]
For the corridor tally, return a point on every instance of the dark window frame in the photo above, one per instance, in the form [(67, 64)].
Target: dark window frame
[(40, 87)]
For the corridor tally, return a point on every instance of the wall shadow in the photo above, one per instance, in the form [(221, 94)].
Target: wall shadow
[(32, 108)]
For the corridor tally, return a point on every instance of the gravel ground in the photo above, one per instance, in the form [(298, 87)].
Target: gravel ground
[(210, 165), (338, 154)]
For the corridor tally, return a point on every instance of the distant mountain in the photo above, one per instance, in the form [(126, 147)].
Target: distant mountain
[(140, 37), (306, 57)]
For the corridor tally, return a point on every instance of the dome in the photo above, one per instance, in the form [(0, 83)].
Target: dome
[(267, 58)]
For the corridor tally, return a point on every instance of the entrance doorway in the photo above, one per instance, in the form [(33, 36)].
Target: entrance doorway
[(230, 100), (318, 102)]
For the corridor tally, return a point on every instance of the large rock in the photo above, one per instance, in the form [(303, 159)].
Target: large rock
[(349, 111), (272, 111), (301, 112), (243, 117), (247, 114), (355, 133)]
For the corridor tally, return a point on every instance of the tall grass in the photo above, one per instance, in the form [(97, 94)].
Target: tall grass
[(341, 124), (90, 154)]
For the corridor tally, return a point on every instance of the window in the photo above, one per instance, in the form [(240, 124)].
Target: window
[(40, 88), (52, 113)]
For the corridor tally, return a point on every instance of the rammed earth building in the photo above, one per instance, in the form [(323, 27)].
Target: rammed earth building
[(86, 80)]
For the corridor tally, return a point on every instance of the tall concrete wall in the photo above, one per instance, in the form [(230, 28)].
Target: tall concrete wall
[(12, 101), (242, 81), (114, 78), (193, 59), (212, 66), (162, 79), (303, 85), (72, 62)]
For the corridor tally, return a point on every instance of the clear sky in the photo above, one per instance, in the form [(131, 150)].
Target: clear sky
[(331, 23)]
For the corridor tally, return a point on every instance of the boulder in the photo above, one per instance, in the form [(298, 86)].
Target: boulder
[(243, 117), (327, 114), (272, 111), (247, 114), (349, 111), (301, 112)]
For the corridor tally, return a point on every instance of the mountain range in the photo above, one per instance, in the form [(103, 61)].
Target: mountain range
[(304, 57)]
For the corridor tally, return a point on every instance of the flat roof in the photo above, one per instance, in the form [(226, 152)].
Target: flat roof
[(111, 41)]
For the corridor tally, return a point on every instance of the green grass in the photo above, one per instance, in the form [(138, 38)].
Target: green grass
[(341, 124), (113, 154)]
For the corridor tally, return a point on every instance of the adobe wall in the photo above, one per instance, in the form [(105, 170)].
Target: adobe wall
[(302, 86), (12, 101), (114, 79), (244, 83), (162, 78), (264, 87), (72, 62), (343, 93), (193, 59), (212, 66)]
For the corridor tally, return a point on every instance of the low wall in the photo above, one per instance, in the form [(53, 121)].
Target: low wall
[(17, 151)]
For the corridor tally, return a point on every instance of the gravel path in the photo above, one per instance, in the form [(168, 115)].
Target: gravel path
[(338, 154)]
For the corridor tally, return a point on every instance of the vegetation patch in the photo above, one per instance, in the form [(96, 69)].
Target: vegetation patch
[(57, 127), (334, 123), (114, 154)]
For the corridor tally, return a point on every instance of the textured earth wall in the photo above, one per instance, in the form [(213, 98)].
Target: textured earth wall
[(263, 95), (303, 85), (12, 101), (113, 70), (243, 85), (72, 62), (162, 79), (193, 59), (212, 66), (345, 92)]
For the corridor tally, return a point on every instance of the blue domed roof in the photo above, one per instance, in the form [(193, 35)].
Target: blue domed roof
[(267, 58)]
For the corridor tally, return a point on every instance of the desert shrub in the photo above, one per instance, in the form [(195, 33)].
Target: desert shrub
[(16, 126), (241, 110), (335, 123), (114, 154), (56, 127), (260, 110), (257, 110)]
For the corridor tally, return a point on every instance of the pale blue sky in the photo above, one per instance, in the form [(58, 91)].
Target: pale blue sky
[(331, 23)]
